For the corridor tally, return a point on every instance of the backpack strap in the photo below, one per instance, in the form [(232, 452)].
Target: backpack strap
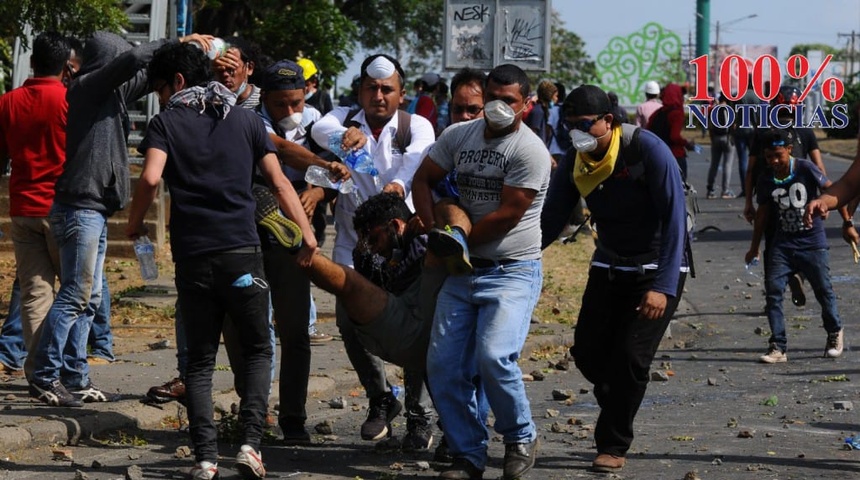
[(403, 137)]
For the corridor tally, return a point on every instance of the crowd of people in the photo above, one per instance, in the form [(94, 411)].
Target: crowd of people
[(436, 262)]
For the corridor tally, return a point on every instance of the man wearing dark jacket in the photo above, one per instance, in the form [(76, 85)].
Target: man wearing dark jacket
[(94, 185)]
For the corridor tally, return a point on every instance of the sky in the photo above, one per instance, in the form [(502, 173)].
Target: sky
[(783, 23)]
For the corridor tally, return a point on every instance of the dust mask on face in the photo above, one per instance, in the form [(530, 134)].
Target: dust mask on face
[(499, 115), (585, 142), (290, 122)]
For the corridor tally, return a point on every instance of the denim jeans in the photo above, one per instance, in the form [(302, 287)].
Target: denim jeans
[(479, 329), (100, 339), (815, 266), (613, 348), (81, 236), (210, 287), (12, 349), (721, 155)]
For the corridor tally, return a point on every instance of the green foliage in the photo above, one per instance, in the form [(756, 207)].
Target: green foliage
[(804, 48), (569, 64), (852, 99), (79, 18)]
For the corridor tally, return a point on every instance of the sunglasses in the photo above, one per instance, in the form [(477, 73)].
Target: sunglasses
[(583, 125), (471, 110)]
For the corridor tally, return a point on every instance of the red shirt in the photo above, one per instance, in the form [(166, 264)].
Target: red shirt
[(33, 134)]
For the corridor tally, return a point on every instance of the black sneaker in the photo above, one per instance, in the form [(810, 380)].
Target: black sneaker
[(442, 454), (295, 435), (93, 394), (269, 216), (54, 394), (419, 435), (462, 469), (519, 459), (795, 284), (383, 409)]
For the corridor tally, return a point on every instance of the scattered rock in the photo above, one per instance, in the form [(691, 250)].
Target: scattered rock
[(538, 375), (423, 466), (692, 476), (583, 391), (96, 464), (658, 376), (557, 428), (562, 365), (759, 331), (134, 456), (337, 403), (134, 473), (561, 394), (182, 452), (161, 345), (712, 381), (732, 423), (62, 454), (727, 287), (11, 397), (324, 428), (528, 378), (574, 421), (768, 435), (396, 466), (551, 413), (79, 475), (717, 461), (746, 433), (843, 405)]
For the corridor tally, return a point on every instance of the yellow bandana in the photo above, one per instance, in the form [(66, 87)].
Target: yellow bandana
[(589, 173)]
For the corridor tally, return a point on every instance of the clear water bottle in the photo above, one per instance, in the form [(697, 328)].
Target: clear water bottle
[(358, 160), (751, 267), (219, 48), (319, 176), (145, 251)]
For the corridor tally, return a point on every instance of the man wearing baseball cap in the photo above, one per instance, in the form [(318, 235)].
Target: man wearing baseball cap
[(651, 104)]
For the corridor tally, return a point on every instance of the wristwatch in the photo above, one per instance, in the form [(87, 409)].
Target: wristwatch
[(848, 223)]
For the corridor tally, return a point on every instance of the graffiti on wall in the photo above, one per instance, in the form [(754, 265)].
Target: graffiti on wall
[(628, 62)]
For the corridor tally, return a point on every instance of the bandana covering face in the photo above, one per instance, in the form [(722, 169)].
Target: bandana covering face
[(214, 94), (589, 173)]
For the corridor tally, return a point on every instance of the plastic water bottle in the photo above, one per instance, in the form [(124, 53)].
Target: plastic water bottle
[(358, 160), (145, 252), (697, 149), (319, 176), (219, 48), (751, 267)]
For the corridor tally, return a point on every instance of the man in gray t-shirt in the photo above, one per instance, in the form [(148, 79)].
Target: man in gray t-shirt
[(482, 318)]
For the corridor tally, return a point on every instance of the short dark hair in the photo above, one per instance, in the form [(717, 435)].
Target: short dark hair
[(248, 50), (508, 74), (51, 52), (379, 210), (466, 76), (183, 58)]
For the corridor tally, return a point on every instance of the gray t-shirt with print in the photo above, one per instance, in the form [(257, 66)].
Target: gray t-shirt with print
[(519, 159)]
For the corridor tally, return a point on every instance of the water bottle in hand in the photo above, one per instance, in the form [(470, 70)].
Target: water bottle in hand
[(319, 176), (145, 252)]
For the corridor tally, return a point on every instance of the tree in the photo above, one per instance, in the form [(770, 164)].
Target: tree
[(569, 64), (804, 48), (78, 18), (329, 32)]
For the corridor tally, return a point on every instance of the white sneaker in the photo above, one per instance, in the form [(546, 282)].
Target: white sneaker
[(773, 355), (204, 471), (249, 463), (834, 344)]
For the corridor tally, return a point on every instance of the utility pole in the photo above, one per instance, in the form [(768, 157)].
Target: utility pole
[(850, 73)]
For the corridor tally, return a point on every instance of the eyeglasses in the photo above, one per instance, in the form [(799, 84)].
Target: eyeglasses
[(583, 125), (471, 109)]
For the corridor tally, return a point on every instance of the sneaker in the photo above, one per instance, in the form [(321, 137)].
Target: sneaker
[(170, 391), (9, 371), (795, 284), (93, 394), (54, 394), (450, 244), (249, 463), (383, 409), (318, 338), (607, 463), (295, 435), (519, 459), (442, 454), (834, 344), (773, 355), (269, 216), (204, 471), (728, 194), (462, 469), (419, 435), (712, 194)]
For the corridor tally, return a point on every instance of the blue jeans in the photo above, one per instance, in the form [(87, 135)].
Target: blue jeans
[(100, 339), (13, 352), (81, 236), (479, 329), (815, 266)]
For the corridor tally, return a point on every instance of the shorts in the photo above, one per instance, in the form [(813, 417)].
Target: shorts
[(401, 333)]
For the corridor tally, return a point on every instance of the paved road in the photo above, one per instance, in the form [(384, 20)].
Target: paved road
[(711, 419)]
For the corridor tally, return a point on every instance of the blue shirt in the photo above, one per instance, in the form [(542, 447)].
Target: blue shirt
[(788, 199)]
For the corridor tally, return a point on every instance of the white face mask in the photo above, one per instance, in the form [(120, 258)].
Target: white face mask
[(583, 141), (499, 115), (290, 122), (309, 95)]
